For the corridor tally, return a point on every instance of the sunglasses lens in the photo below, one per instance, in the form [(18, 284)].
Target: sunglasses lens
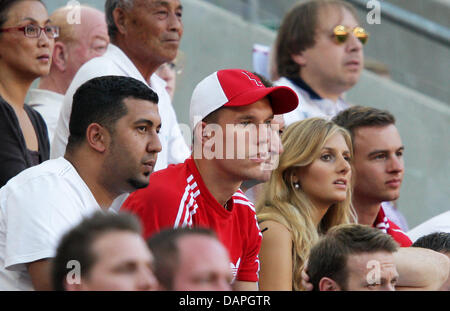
[(361, 34), (341, 38), (340, 33)]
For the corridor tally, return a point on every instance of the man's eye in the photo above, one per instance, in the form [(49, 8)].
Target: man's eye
[(142, 129), (162, 14)]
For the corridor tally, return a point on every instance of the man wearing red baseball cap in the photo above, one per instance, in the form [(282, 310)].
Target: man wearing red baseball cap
[(230, 114)]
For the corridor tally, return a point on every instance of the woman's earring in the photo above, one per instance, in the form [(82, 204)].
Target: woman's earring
[(297, 185)]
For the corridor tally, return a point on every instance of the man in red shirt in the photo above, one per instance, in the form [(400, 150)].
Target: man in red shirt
[(231, 112), (378, 165)]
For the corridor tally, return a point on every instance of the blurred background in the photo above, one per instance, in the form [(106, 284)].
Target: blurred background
[(407, 72)]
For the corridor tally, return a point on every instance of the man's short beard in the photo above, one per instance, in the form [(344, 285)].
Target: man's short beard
[(137, 184)]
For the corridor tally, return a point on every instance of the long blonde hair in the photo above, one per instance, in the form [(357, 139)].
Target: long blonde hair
[(291, 207)]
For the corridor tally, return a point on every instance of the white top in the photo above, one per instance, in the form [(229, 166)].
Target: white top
[(115, 62), (439, 223), (48, 104), (36, 208), (310, 105)]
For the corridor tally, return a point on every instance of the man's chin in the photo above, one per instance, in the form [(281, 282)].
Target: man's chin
[(138, 184)]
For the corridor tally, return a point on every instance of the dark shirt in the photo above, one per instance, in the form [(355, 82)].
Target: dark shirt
[(14, 154)]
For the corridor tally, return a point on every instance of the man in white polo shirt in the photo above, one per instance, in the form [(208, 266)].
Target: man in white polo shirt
[(144, 35), (112, 149)]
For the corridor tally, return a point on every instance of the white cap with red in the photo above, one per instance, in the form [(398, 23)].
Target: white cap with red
[(237, 87)]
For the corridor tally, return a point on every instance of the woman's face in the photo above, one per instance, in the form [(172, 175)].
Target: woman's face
[(27, 57), (327, 179)]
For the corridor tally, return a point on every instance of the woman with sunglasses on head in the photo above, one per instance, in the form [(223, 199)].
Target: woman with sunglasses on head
[(308, 193), (319, 54), (26, 47)]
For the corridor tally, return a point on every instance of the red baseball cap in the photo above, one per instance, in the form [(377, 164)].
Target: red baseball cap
[(237, 87)]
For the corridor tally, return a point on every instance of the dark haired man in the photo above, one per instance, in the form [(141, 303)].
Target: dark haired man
[(112, 149), (190, 259), (231, 112), (104, 252), (378, 165), (356, 257)]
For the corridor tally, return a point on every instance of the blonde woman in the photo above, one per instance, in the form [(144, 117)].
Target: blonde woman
[(307, 194)]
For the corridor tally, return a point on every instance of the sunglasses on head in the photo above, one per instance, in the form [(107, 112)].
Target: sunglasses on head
[(341, 34)]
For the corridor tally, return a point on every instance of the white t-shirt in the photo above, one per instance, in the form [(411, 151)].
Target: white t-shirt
[(439, 223), (48, 104), (115, 62), (36, 208)]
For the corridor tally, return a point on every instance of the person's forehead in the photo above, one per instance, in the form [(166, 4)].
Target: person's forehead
[(22, 10), (137, 106), (260, 108), (332, 15), (119, 246), (197, 246), (377, 137), (156, 3)]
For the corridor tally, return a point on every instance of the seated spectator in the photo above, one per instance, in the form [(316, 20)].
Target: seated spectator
[(378, 166), (437, 223), (353, 258), (112, 149), (76, 44), (27, 38), (308, 193), (319, 54), (253, 187), (190, 259), (138, 32), (204, 191), (439, 242), (105, 252)]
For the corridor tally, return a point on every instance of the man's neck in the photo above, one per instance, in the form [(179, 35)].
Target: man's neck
[(330, 92), (367, 211), (145, 65), (87, 171), (219, 184)]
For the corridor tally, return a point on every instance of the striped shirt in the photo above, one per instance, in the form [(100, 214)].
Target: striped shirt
[(389, 227), (178, 197)]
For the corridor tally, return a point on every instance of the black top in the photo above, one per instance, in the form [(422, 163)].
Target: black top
[(14, 154)]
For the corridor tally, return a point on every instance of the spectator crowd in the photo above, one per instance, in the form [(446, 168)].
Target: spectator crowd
[(285, 185)]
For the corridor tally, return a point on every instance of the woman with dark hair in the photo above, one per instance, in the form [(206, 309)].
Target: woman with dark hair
[(26, 47)]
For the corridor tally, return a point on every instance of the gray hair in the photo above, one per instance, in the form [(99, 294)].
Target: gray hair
[(110, 6)]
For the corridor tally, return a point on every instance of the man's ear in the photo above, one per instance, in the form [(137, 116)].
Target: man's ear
[(299, 58), (120, 19), (60, 56), (97, 137), (327, 284)]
